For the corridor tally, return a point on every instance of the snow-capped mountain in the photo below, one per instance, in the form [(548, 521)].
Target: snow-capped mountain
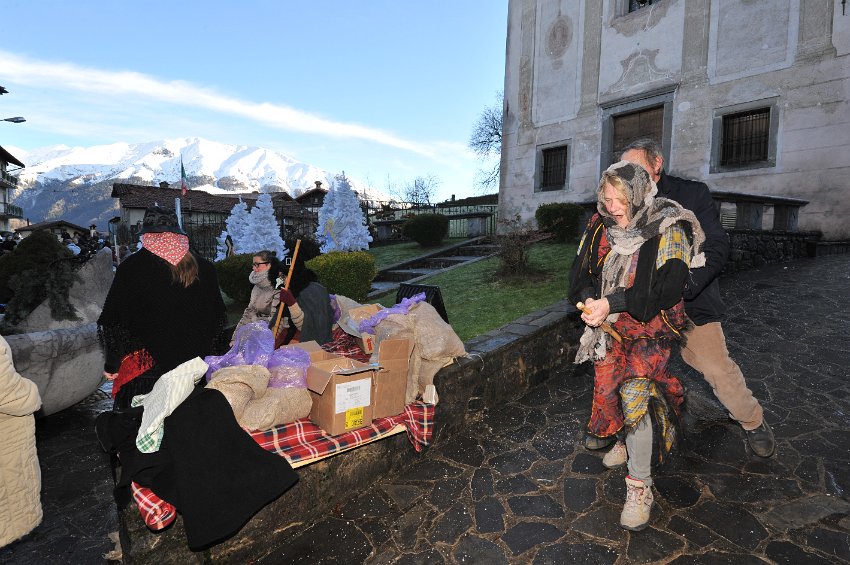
[(75, 184)]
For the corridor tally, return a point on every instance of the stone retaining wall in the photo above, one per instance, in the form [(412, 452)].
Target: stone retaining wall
[(502, 365), (754, 248)]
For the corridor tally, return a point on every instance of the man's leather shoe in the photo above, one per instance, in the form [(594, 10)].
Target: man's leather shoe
[(761, 440), (593, 443)]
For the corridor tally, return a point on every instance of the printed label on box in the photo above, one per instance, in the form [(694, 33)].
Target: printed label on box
[(354, 418), (353, 395)]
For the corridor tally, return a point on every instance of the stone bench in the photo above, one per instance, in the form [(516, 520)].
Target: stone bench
[(749, 209), (503, 364)]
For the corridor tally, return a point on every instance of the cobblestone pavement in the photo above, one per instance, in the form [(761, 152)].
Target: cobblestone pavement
[(518, 488)]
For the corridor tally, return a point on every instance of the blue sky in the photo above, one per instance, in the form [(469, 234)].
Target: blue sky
[(378, 88)]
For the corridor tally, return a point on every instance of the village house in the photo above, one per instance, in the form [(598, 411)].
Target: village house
[(60, 228), (749, 97), (203, 214), (8, 181)]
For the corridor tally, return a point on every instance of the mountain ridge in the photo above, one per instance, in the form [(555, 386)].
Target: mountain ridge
[(75, 183)]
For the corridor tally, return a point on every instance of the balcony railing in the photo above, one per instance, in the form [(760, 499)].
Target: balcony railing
[(11, 211), (10, 180)]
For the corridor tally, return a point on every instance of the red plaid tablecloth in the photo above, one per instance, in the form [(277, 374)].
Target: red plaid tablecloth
[(302, 442)]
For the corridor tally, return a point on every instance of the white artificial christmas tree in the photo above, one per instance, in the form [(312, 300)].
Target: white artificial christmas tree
[(263, 231), (237, 228), (342, 225)]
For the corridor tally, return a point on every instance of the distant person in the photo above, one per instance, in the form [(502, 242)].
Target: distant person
[(706, 344), (20, 475), (8, 244), (265, 269), (630, 271), (164, 308)]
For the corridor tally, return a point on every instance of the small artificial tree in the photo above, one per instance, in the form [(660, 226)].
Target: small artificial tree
[(342, 224), (236, 224), (263, 231)]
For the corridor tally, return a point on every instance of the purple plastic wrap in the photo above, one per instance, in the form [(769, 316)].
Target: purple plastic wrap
[(403, 307), (254, 345), (335, 306), (288, 368)]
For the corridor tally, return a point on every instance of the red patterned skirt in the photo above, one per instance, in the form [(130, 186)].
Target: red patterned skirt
[(643, 353)]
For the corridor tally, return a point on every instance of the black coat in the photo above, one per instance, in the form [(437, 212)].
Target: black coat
[(146, 310), (702, 292)]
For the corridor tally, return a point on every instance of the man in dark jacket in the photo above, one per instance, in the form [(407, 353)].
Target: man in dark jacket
[(706, 350)]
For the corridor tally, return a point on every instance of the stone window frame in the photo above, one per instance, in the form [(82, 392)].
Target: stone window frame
[(771, 104), (538, 172), (610, 110)]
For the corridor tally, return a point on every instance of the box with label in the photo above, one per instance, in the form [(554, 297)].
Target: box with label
[(341, 389), (390, 382)]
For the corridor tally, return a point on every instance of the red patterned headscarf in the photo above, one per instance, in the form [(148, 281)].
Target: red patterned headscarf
[(169, 246)]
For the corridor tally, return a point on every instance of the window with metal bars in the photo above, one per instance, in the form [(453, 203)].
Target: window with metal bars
[(553, 172), (635, 5), (745, 138)]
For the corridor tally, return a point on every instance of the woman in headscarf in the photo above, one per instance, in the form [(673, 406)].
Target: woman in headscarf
[(308, 314), (265, 269), (630, 272), (164, 308)]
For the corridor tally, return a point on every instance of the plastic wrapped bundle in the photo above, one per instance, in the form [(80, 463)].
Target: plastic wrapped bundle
[(288, 368), (252, 345)]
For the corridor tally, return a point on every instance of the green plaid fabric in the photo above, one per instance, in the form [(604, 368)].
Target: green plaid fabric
[(147, 443)]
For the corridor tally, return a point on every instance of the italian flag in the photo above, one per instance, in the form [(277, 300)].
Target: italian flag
[(184, 182)]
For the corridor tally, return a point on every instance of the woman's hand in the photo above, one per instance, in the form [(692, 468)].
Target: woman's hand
[(110, 376), (599, 310), (287, 297)]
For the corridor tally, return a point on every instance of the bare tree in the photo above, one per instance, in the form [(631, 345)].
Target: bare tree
[(486, 142), (421, 190)]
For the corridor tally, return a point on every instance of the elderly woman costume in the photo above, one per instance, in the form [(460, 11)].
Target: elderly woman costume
[(164, 308), (632, 265)]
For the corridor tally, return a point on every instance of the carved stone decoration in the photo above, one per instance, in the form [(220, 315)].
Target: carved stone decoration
[(559, 36), (639, 69)]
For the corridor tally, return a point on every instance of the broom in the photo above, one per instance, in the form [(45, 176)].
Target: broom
[(605, 325), (286, 286)]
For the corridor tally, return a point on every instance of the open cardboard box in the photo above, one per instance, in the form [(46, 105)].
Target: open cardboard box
[(366, 341), (390, 381), (341, 389)]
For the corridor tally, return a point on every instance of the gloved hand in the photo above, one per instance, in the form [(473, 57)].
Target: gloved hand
[(287, 297)]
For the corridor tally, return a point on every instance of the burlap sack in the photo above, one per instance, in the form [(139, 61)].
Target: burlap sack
[(277, 406), (240, 384), (435, 344)]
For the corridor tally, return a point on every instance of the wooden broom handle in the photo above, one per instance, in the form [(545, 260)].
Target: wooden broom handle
[(286, 285), (606, 327)]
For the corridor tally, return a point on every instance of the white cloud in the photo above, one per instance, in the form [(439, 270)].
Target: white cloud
[(119, 85)]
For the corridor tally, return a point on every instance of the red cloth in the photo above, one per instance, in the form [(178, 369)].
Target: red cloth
[(344, 344), (132, 365), (302, 440)]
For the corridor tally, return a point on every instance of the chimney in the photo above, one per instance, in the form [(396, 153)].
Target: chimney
[(163, 184), (453, 197), (318, 184)]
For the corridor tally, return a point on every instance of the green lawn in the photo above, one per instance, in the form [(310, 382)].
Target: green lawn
[(387, 255), (478, 301)]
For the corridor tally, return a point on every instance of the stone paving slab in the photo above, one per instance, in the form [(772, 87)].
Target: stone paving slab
[(516, 487)]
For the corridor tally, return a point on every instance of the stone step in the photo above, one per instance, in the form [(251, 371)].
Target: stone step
[(404, 275), (443, 262), (479, 250)]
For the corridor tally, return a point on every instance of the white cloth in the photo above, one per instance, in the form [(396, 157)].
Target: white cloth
[(168, 392)]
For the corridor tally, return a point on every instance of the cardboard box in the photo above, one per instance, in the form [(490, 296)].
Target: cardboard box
[(390, 382), (352, 320), (341, 389)]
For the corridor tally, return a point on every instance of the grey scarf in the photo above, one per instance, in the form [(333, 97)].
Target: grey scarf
[(650, 216)]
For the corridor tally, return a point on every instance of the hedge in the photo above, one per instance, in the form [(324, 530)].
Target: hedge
[(348, 273)]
